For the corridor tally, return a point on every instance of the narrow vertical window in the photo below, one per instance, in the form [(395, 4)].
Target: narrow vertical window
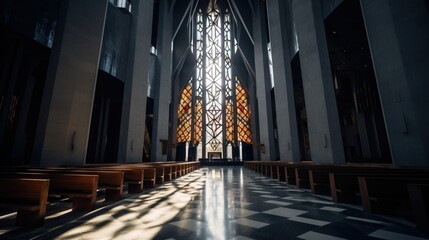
[(213, 112)]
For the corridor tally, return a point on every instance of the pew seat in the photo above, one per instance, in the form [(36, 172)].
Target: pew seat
[(80, 188), (27, 196)]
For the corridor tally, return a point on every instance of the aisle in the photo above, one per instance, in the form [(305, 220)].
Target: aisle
[(215, 203), (236, 203)]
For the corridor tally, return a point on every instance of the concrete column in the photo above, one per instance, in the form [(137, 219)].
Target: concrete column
[(398, 38), (20, 141), (135, 91), (65, 116), (253, 102), (163, 83), (323, 124), (283, 85), (176, 93), (263, 84), (10, 88)]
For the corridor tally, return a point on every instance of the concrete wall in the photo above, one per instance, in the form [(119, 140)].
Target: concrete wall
[(283, 87), (327, 6), (163, 83), (134, 105), (398, 37), (263, 86), (65, 117), (322, 114), (116, 40)]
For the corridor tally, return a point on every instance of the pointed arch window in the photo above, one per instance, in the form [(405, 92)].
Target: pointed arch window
[(214, 112)]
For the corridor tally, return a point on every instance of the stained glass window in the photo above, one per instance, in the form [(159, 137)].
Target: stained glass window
[(229, 98), (185, 115), (199, 92), (213, 111), (213, 75), (243, 114)]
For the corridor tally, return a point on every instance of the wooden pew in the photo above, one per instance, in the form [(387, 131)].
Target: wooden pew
[(319, 176), (419, 199), (150, 173), (388, 194), (82, 189), (161, 171), (266, 169), (272, 169), (319, 181), (344, 185), (135, 177), (302, 178), (257, 167), (110, 181), (187, 167), (184, 168), (168, 174), (260, 168), (281, 172), (294, 173), (27, 196), (179, 171), (174, 170), (194, 166), (250, 165), (290, 176)]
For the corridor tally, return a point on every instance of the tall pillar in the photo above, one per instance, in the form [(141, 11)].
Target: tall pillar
[(323, 124), (283, 85), (65, 116), (19, 145), (253, 102), (398, 38), (135, 92), (176, 94), (263, 85), (163, 84)]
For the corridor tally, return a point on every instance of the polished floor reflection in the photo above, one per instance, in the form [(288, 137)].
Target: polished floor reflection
[(239, 204), (216, 203)]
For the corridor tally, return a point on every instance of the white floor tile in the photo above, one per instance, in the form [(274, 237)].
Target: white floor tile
[(309, 221), (263, 192), (241, 213), (285, 212), (279, 202), (241, 238), (189, 224), (320, 201), (245, 203), (250, 223), (366, 220), (294, 190), (382, 234), (294, 198), (193, 210), (269, 196), (319, 236), (304, 199), (280, 187), (333, 209)]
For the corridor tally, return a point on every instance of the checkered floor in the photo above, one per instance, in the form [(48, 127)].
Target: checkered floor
[(220, 203)]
